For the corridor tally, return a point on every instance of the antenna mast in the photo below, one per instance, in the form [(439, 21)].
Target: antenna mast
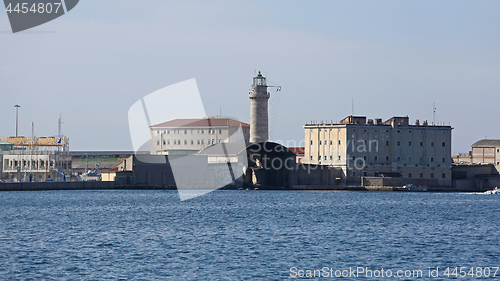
[(434, 113)]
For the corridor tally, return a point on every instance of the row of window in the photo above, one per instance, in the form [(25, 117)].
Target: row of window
[(375, 158), (185, 131), (410, 143), (398, 143), (421, 175), (410, 174), (179, 142), (387, 131)]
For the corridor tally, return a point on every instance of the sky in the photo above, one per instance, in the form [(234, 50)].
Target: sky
[(376, 58)]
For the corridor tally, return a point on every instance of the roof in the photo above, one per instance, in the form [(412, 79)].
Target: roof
[(487, 143), (201, 122), (223, 148), (8, 143), (297, 150)]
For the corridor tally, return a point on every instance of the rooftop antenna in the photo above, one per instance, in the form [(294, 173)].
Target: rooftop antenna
[(59, 123), (220, 111), (433, 113), (352, 105)]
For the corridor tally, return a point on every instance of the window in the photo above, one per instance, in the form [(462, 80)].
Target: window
[(213, 141), (185, 132), (311, 142), (331, 157), (365, 173), (386, 142), (387, 131), (398, 158), (364, 157), (325, 157), (157, 132), (164, 132), (432, 143), (421, 175), (220, 131), (364, 130), (387, 158), (375, 158), (202, 141), (185, 141), (339, 157), (443, 175), (311, 155), (443, 144), (421, 159), (354, 158), (432, 159), (443, 132), (399, 131), (409, 175), (320, 142), (198, 141), (192, 131), (375, 130), (202, 131), (410, 131), (409, 159), (168, 132), (421, 143), (157, 142), (409, 143), (175, 141), (354, 130), (164, 142), (339, 142), (432, 175), (443, 160), (192, 142), (331, 142), (398, 143)]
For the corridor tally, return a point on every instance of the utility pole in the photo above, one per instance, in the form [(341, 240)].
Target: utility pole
[(17, 106)]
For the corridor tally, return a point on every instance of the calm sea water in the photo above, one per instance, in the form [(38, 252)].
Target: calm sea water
[(244, 235)]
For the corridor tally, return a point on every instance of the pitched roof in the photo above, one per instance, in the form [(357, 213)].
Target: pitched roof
[(201, 122), (297, 150), (486, 143)]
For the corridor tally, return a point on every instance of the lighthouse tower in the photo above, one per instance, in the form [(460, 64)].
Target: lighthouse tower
[(259, 120)]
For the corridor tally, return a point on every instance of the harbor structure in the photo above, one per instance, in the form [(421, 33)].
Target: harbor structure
[(486, 152), (189, 136), (259, 113), (372, 148), (35, 158)]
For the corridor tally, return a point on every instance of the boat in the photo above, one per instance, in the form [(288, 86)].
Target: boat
[(493, 191), (412, 187)]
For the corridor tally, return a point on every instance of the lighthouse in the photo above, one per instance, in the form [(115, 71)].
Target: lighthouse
[(259, 120)]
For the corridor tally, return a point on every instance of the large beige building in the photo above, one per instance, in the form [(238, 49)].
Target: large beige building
[(486, 152), (371, 148), (187, 136)]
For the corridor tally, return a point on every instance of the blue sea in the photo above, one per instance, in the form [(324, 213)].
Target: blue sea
[(248, 235)]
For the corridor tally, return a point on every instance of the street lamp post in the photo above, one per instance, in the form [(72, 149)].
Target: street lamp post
[(17, 106)]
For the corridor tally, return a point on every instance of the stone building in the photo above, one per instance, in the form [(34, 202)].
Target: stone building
[(188, 136), (367, 148), (486, 152)]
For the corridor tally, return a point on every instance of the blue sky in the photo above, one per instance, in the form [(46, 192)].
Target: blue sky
[(393, 58)]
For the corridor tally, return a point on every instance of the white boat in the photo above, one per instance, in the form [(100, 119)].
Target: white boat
[(493, 191)]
